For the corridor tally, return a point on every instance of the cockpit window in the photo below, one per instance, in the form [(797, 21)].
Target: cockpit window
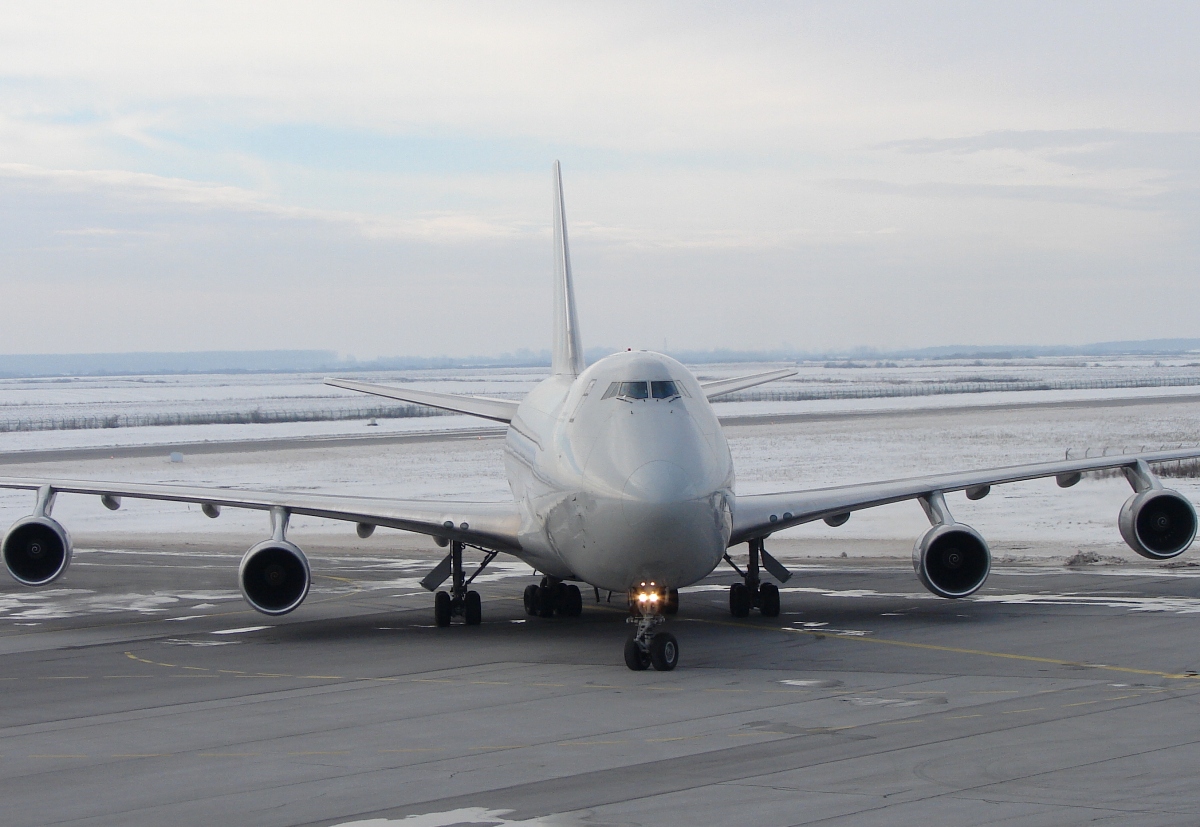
[(663, 390), (666, 389), (634, 390)]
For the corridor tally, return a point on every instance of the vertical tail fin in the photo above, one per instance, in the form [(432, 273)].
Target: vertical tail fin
[(567, 357)]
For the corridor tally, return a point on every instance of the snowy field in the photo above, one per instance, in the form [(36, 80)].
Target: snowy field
[(33, 410), (1032, 521)]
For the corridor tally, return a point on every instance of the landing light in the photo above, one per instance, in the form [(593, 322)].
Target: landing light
[(648, 593)]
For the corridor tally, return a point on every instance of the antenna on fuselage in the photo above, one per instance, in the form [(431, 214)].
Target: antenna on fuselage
[(567, 358)]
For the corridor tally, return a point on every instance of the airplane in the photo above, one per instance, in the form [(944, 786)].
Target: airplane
[(621, 479)]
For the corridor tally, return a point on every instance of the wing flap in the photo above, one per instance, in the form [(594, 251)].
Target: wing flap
[(757, 515), (500, 410)]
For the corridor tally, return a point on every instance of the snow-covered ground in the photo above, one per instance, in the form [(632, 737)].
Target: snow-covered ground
[(31, 403), (171, 434), (1023, 521)]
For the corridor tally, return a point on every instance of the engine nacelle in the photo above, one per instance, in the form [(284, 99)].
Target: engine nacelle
[(274, 577), (36, 550), (1158, 523), (952, 560)]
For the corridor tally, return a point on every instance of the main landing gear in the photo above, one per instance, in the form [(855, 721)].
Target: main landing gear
[(458, 602), (752, 593), (553, 597), (648, 605)]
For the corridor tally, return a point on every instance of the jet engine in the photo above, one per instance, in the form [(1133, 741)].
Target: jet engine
[(274, 577), (952, 560), (36, 550), (1158, 523)]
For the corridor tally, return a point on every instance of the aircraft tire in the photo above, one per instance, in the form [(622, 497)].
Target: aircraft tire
[(572, 602), (546, 600), (441, 609), (635, 658), (768, 594), (739, 600), (473, 609), (664, 652), (531, 596)]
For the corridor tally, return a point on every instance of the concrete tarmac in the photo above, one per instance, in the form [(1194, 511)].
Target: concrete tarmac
[(140, 690)]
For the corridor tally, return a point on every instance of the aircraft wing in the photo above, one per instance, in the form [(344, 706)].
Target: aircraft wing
[(490, 525), (740, 383), (758, 515), (500, 410)]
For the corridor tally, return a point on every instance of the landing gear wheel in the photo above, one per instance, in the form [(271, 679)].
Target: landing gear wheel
[(531, 596), (672, 605), (635, 658), (441, 608), (472, 609), (768, 595), (664, 651), (740, 600), (572, 602), (546, 601)]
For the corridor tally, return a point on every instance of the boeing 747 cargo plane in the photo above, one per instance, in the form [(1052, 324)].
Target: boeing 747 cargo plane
[(621, 479)]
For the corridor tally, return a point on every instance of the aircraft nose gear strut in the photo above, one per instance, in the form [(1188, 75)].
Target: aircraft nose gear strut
[(647, 608), (753, 593), (459, 602)]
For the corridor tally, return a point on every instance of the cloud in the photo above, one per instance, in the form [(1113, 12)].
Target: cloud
[(122, 196), (373, 176), (1083, 148)]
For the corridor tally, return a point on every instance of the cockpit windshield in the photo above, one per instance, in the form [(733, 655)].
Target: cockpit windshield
[(663, 390), (644, 390)]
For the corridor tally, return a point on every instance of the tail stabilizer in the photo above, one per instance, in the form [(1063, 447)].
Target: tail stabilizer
[(501, 410), (567, 356), (723, 386)]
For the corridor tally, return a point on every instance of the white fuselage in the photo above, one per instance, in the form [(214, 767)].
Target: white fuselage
[(621, 483)]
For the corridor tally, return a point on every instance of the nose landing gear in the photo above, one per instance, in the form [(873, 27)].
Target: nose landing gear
[(754, 594), (648, 605)]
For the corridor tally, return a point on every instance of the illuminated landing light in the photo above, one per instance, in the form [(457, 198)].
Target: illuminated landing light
[(647, 594)]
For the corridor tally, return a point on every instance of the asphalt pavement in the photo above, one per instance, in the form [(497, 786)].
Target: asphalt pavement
[(140, 690)]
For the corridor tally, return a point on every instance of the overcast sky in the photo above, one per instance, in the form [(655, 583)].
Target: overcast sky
[(374, 178)]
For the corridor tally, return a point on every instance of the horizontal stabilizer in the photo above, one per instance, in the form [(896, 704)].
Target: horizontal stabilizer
[(500, 410), (740, 383)]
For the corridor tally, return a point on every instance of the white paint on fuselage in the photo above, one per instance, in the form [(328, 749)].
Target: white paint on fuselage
[(618, 491)]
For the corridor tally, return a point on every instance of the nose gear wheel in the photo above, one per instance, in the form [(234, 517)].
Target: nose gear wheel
[(645, 647)]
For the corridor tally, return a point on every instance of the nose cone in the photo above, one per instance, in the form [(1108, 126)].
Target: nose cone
[(661, 499), (660, 481), (655, 452), (666, 534)]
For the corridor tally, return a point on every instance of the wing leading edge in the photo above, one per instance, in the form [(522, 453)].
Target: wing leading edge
[(490, 525), (758, 515)]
